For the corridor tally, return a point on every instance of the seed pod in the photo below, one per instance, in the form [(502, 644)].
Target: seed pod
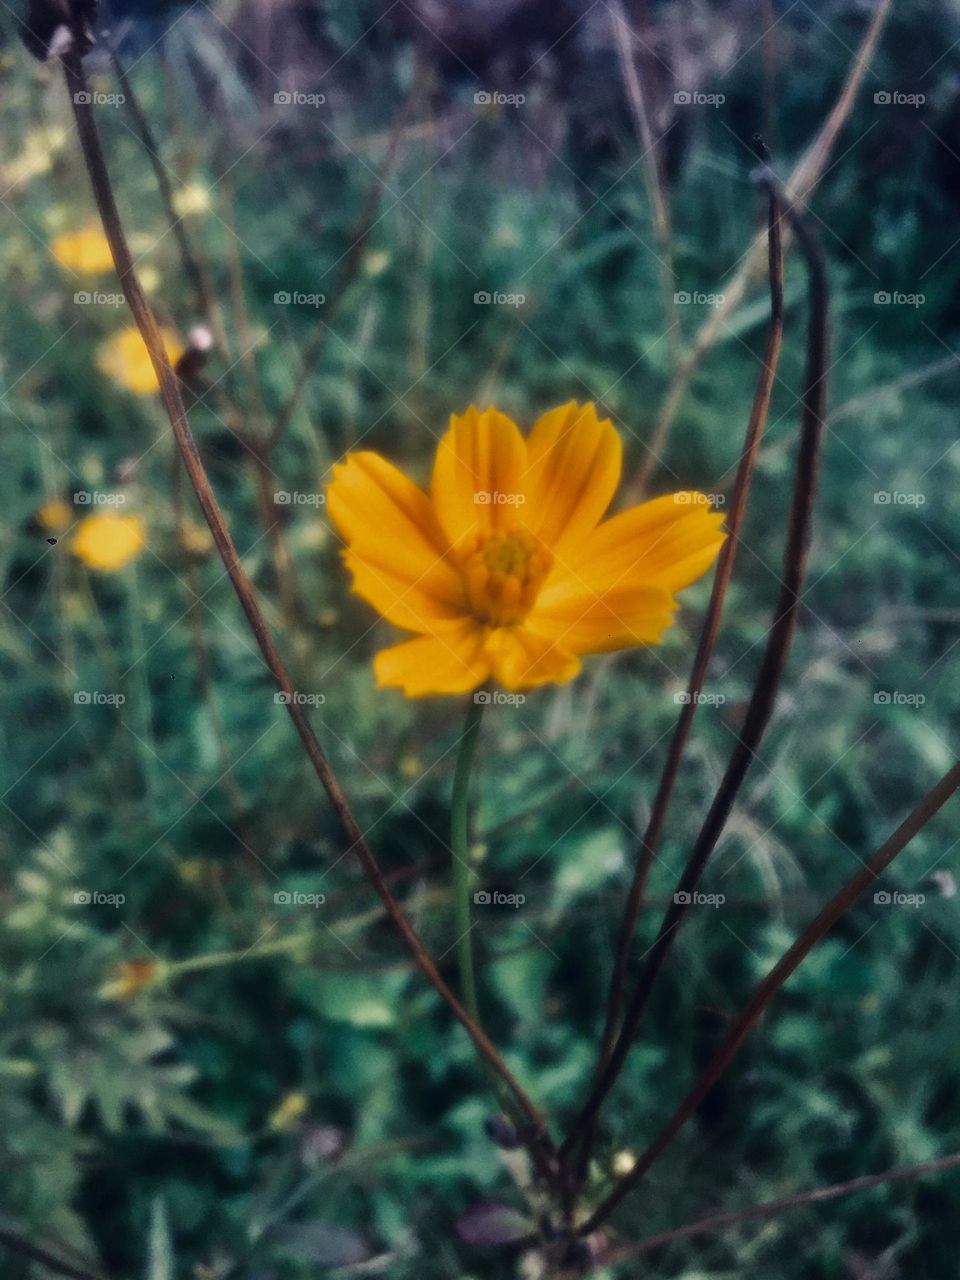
[(51, 27)]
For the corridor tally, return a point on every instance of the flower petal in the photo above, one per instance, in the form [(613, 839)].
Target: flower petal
[(573, 472), (522, 659), (586, 622), (452, 663), (477, 483), (396, 551), (667, 543)]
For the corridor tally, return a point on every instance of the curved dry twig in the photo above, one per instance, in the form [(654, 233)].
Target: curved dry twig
[(720, 1221), (96, 164), (799, 186), (767, 683), (814, 933)]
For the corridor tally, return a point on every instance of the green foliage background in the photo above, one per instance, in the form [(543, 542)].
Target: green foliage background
[(139, 1131)]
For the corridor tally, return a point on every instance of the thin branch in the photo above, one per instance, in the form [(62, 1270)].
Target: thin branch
[(173, 403), (348, 269), (720, 1221), (814, 933), (799, 186), (725, 563), (768, 678), (656, 191), (191, 265)]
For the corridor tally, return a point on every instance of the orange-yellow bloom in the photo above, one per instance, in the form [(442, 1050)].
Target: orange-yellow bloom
[(55, 515), (85, 251), (107, 541), (507, 570), (130, 978), (125, 358)]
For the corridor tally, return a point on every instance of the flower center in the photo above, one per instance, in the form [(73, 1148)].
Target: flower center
[(503, 574)]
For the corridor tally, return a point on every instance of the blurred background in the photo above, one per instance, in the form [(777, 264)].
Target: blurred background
[(217, 1060)]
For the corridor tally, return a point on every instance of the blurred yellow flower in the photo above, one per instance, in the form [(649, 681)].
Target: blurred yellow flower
[(132, 977), (56, 515), (507, 569), (291, 1109), (196, 539), (40, 146), (125, 358), (85, 251), (107, 541)]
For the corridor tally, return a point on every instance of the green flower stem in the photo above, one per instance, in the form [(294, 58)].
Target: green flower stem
[(460, 847)]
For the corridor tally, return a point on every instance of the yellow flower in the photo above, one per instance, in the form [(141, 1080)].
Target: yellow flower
[(507, 570), (85, 251), (132, 977), (291, 1108), (125, 358), (107, 540), (55, 515)]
